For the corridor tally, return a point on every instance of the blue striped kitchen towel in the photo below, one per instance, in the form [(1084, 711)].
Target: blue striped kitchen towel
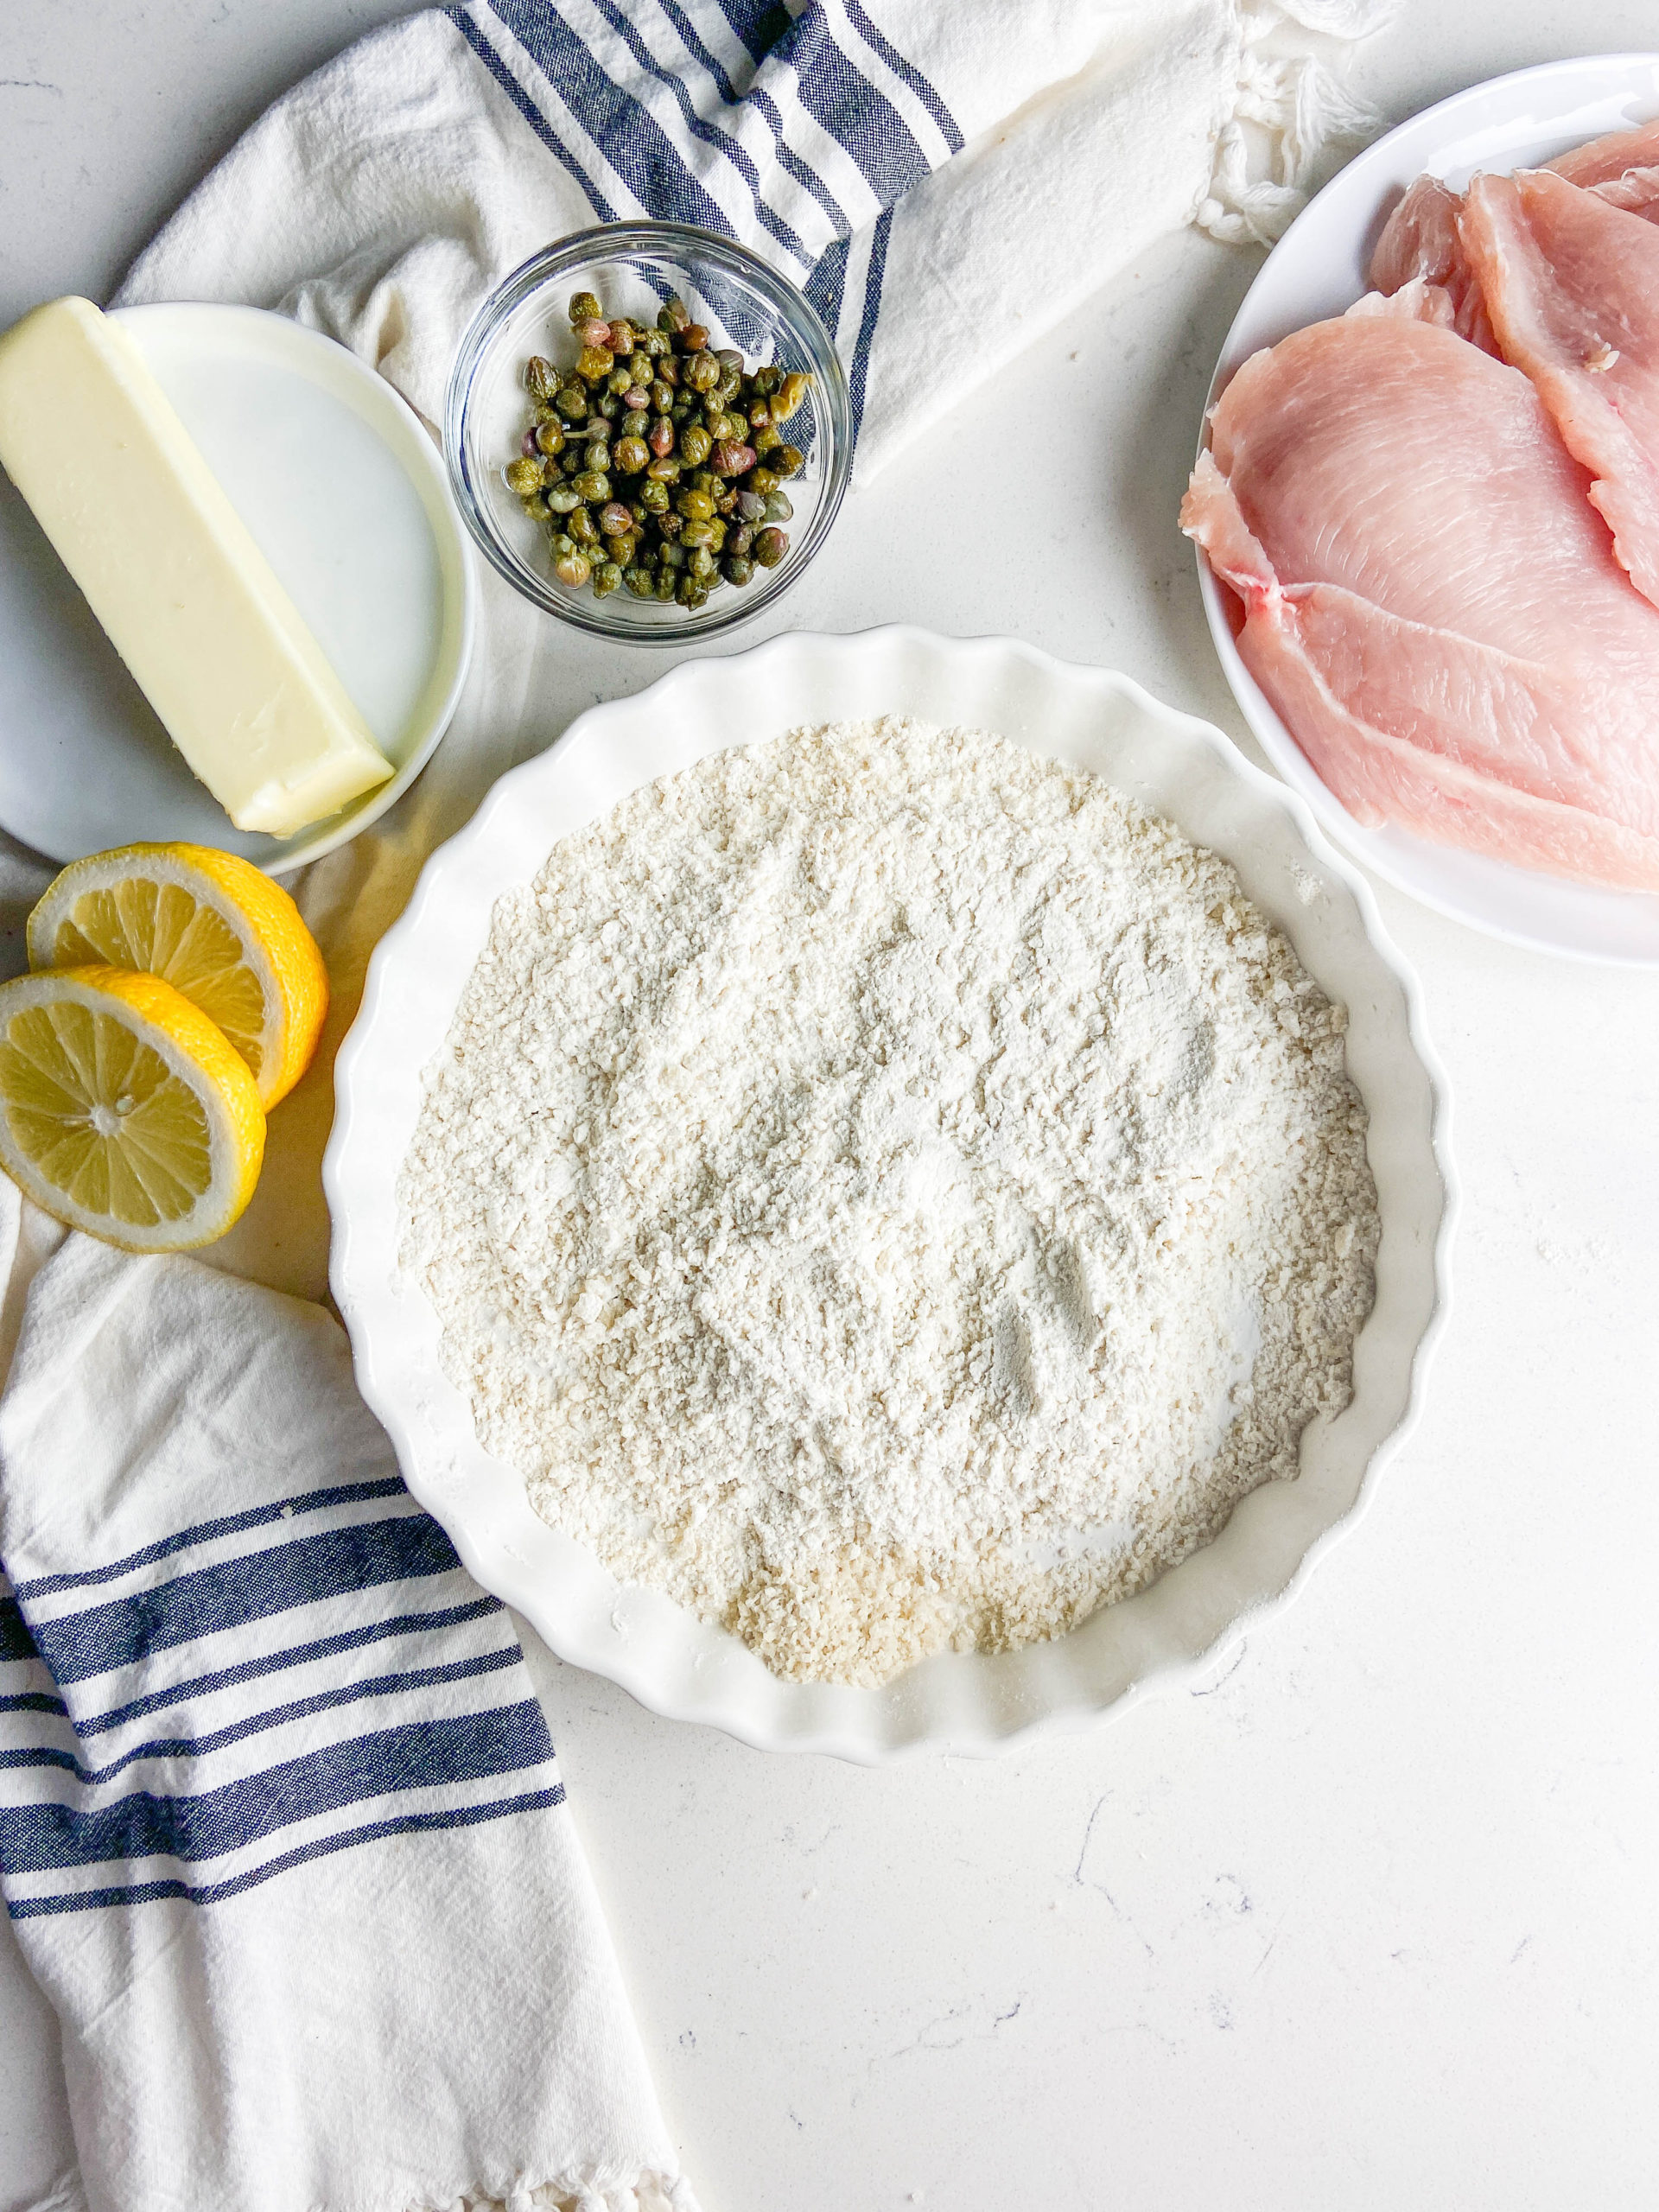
[(281, 1833), (945, 178)]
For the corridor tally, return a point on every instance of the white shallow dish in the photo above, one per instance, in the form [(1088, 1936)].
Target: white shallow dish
[(346, 495), (1091, 719), (1317, 269)]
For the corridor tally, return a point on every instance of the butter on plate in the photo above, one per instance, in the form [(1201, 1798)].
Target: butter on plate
[(171, 571)]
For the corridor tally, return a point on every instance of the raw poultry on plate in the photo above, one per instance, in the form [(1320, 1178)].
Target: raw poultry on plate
[(1440, 513)]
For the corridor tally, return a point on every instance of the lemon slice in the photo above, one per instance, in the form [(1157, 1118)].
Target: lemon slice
[(227, 936), (123, 1110)]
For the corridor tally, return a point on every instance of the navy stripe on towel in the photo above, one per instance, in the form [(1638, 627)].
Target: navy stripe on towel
[(272, 1662), (878, 43), (846, 104), (286, 1509), (461, 16), (422, 1754), (236, 1591), (630, 138), (278, 1716), (706, 133), (210, 1892), (16, 1642)]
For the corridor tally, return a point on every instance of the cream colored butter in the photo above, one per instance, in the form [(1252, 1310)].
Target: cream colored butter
[(169, 569)]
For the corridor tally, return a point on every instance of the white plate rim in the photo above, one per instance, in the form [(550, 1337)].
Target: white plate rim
[(1372, 848), (364, 1272), (412, 445)]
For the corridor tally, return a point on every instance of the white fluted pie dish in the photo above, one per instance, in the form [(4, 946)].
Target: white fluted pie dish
[(1091, 719)]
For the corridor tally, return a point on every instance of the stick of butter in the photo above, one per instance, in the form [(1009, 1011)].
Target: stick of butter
[(169, 569)]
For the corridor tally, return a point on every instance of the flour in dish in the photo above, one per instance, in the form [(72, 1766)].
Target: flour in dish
[(892, 1193)]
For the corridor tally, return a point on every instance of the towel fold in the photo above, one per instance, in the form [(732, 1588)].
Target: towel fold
[(282, 1832)]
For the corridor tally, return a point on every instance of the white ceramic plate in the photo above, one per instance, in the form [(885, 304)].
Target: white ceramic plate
[(1091, 719), (345, 493), (1319, 268)]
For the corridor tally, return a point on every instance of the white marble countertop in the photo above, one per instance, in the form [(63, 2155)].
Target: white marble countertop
[(1368, 1922)]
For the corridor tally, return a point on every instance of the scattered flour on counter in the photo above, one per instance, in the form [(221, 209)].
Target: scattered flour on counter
[(890, 1192)]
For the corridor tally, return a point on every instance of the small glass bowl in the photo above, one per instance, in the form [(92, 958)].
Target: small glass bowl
[(633, 268)]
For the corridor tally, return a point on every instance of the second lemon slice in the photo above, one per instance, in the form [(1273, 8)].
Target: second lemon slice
[(212, 925), (123, 1110)]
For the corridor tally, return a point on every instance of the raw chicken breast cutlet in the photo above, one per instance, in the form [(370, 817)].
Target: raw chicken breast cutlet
[(1430, 601)]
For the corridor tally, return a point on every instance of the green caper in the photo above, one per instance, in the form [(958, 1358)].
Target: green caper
[(523, 476), (653, 344), (584, 307), (695, 446), (697, 533), (639, 581), (788, 460), (541, 377), (666, 583), (736, 568), (662, 396), (593, 484), (549, 438), (767, 439), (598, 454), (752, 506), (673, 315), (763, 480), (665, 469), (789, 396), (634, 423), (609, 406), (573, 568), (535, 506), (594, 364), (631, 456), (696, 506), (583, 527), (607, 576), (672, 555), (570, 461), (778, 507), (770, 546), (619, 382), (571, 400), (702, 371), (654, 496), (562, 499)]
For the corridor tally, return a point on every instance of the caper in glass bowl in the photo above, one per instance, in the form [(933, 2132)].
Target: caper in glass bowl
[(733, 347)]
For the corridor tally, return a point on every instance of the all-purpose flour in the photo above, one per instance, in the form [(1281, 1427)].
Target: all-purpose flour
[(890, 1192)]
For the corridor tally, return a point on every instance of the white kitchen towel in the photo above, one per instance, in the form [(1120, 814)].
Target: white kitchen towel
[(946, 178), (281, 1833)]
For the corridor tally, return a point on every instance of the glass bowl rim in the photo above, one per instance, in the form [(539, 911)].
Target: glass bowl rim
[(789, 306)]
